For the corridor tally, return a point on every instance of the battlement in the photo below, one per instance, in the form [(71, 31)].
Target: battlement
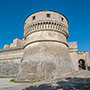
[(72, 46), (16, 44)]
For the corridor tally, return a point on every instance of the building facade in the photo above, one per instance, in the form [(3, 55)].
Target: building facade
[(44, 52)]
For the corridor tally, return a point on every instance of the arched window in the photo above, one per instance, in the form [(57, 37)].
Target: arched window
[(82, 65)]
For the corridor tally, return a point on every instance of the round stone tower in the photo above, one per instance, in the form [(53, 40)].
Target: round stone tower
[(46, 54)]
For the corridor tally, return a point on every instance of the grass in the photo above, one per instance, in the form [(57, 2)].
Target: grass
[(7, 76), (13, 80)]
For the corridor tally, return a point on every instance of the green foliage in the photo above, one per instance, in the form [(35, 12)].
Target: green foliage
[(13, 80), (7, 76)]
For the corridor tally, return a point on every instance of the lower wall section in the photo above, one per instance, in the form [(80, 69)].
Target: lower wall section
[(9, 67), (45, 60), (76, 56)]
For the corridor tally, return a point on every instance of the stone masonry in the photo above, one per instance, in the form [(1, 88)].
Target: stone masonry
[(44, 52)]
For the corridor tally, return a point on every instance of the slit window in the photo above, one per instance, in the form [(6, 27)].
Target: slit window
[(62, 18), (48, 15), (33, 18)]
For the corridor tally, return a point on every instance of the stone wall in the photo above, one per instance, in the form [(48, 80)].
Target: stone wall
[(16, 43), (44, 51), (10, 60), (46, 54), (77, 55), (85, 56), (73, 46), (11, 56)]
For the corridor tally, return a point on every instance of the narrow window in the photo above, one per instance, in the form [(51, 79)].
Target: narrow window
[(48, 15), (33, 18), (62, 18)]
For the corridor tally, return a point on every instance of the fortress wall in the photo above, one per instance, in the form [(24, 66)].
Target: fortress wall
[(10, 62), (46, 35), (81, 55), (73, 54), (73, 46), (16, 43), (74, 58), (46, 54), (10, 55), (56, 22), (85, 56), (77, 55)]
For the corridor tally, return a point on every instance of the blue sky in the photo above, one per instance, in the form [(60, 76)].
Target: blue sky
[(14, 12)]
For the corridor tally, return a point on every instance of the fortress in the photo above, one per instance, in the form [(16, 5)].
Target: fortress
[(44, 52)]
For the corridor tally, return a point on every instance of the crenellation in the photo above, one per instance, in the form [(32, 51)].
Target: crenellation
[(16, 43), (6, 46)]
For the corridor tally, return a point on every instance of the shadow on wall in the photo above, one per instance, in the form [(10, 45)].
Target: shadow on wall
[(67, 84)]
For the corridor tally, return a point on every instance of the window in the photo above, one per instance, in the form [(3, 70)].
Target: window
[(81, 64), (33, 18), (48, 15), (62, 18)]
